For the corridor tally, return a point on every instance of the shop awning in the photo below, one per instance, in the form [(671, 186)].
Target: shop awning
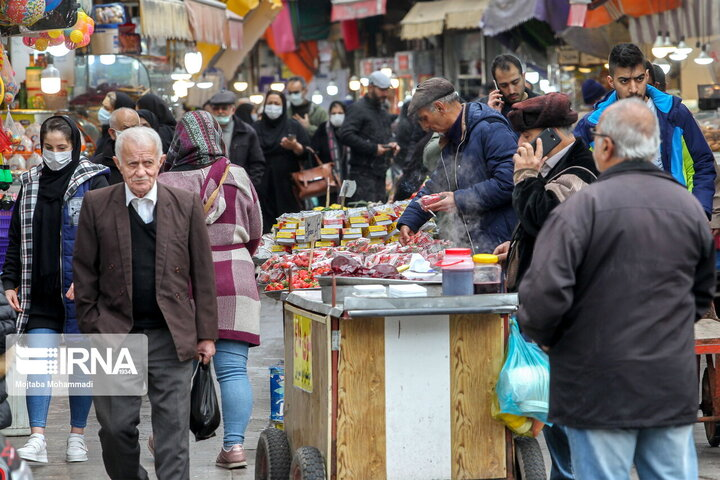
[(695, 18), (502, 15), (353, 9), (430, 18), (254, 26), (164, 19), (424, 19), (208, 20), (234, 32)]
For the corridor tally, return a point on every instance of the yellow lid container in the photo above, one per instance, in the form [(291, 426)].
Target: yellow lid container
[(485, 258)]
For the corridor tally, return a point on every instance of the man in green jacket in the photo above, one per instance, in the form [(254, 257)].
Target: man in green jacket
[(303, 110)]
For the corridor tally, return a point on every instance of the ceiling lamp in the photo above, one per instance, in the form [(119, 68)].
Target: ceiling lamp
[(664, 65), (703, 58), (532, 76), (50, 81), (677, 56), (394, 82), (193, 61), (364, 81), (240, 85), (277, 86), (180, 89), (584, 69), (257, 98), (58, 50), (683, 48), (354, 83), (332, 89), (386, 70), (180, 74), (204, 83), (107, 59), (317, 97)]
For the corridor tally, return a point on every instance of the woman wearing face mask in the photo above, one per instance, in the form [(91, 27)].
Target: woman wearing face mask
[(283, 142), (326, 141), (111, 102), (37, 275)]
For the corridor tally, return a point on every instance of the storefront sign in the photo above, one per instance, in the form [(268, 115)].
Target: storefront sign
[(302, 353), (568, 56), (404, 63)]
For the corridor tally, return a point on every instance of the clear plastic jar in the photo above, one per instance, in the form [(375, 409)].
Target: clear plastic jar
[(487, 277), (457, 272)]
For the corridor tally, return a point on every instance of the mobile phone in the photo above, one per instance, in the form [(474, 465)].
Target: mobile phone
[(495, 83), (549, 138), (291, 136)]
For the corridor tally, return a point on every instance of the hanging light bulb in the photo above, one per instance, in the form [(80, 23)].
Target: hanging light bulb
[(658, 48), (107, 59), (331, 89), (364, 81), (257, 98), (240, 85), (204, 83), (532, 76), (354, 83), (193, 62), (668, 45), (180, 74), (394, 82), (180, 88), (664, 65), (50, 81), (317, 97), (580, 69), (58, 50), (703, 58), (277, 86), (677, 56), (683, 48), (386, 70)]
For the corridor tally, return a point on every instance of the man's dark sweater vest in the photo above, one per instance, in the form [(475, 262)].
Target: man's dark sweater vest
[(146, 312)]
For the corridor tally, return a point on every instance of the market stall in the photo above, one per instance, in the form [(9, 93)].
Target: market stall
[(370, 380)]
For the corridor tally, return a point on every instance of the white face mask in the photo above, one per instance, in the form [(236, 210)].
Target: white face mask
[(296, 99), (103, 116), (254, 117), (337, 119), (56, 160), (272, 111)]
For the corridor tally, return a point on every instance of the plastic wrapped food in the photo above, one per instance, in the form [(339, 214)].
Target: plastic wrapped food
[(17, 162)]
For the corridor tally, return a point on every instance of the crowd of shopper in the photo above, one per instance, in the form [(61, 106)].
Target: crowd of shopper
[(601, 223)]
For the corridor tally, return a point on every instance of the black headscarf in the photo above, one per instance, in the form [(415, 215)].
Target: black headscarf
[(151, 118), (244, 113), (155, 104), (270, 132), (47, 220), (123, 100)]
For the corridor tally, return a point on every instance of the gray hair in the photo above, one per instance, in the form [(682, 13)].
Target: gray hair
[(116, 117), (447, 99), (138, 136), (628, 123), (298, 79)]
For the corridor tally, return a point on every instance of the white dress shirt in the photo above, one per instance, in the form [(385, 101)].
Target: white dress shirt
[(144, 206), (552, 161)]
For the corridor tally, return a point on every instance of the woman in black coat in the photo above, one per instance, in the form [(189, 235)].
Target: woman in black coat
[(283, 141)]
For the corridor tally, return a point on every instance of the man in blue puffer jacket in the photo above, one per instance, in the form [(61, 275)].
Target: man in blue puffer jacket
[(684, 152), (474, 174)]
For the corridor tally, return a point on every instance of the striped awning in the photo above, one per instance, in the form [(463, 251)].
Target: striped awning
[(426, 19), (234, 32), (695, 18), (164, 19), (208, 21)]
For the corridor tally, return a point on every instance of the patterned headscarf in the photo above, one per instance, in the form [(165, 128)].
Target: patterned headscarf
[(197, 143)]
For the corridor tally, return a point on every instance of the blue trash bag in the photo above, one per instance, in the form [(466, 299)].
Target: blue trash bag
[(523, 387)]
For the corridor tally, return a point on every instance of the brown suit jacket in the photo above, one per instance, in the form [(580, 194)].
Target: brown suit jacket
[(102, 266)]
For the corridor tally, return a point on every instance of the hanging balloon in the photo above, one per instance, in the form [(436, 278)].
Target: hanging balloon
[(57, 41), (76, 36), (51, 5), (41, 44), (54, 33), (29, 41), (23, 12)]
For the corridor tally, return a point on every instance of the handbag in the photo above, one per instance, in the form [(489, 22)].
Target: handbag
[(313, 182)]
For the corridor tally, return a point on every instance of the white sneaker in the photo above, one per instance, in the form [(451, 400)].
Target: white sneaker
[(35, 450), (76, 448)]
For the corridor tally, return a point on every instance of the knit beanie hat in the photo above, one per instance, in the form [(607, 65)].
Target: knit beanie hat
[(592, 91)]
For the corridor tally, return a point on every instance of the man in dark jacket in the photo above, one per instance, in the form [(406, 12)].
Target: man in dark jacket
[(614, 304), (509, 78), (241, 142), (542, 182), (120, 119), (685, 153), (474, 174), (366, 131)]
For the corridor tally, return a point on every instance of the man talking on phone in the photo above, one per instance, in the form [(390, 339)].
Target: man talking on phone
[(509, 81), (550, 165)]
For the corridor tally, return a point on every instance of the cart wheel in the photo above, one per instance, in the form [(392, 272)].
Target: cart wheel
[(272, 458), (529, 464), (712, 429), (307, 464)]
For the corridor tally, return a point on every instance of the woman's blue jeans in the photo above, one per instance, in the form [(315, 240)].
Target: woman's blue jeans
[(38, 405), (230, 362)]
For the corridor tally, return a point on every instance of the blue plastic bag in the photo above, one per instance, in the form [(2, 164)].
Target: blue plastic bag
[(524, 384)]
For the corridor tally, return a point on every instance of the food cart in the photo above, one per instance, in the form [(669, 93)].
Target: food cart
[(395, 388), (707, 343)]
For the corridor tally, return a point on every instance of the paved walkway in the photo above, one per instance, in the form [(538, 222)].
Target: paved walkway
[(202, 464)]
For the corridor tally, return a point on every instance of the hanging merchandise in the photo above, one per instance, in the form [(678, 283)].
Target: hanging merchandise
[(21, 12), (77, 36), (10, 86)]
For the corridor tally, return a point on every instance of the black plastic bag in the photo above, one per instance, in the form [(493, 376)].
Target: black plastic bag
[(204, 408)]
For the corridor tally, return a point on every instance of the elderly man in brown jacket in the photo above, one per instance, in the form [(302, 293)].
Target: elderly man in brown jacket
[(143, 265)]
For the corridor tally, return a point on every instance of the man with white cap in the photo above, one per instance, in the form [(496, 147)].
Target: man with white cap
[(367, 131)]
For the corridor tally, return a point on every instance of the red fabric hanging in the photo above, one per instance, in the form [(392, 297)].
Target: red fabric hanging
[(302, 62), (350, 34)]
